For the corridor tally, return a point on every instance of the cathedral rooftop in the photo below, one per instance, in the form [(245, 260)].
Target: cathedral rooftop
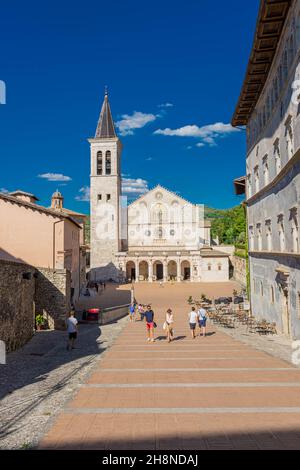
[(105, 128)]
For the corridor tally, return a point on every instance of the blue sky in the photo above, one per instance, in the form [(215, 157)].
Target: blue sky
[(56, 59)]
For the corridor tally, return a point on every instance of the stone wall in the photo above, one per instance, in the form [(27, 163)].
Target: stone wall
[(53, 294), (275, 291), (112, 314), (239, 270), (83, 262), (26, 291), (17, 288)]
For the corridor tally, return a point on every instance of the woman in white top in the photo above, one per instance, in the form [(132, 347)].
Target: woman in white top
[(193, 320), (169, 322)]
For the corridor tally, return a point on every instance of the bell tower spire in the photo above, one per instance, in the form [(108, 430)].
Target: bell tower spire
[(105, 197), (105, 127)]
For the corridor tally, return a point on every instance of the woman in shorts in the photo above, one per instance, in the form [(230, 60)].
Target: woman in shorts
[(169, 323)]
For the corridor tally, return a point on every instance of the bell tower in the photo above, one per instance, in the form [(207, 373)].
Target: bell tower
[(105, 197)]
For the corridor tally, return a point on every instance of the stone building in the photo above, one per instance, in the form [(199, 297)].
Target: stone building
[(269, 106), (57, 202), (50, 239), (158, 237)]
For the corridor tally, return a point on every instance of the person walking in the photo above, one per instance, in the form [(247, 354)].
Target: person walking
[(131, 312), (193, 319), (202, 315), (72, 330), (141, 311), (169, 324), (149, 315)]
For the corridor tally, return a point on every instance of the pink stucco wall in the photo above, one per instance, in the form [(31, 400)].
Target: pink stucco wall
[(37, 238)]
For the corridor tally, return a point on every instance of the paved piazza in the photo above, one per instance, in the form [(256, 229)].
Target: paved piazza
[(207, 393)]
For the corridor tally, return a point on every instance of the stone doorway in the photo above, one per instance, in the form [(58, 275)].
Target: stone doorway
[(130, 271), (159, 271), (185, 271)]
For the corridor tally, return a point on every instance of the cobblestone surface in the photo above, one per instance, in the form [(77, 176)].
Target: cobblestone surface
[(40, 378)]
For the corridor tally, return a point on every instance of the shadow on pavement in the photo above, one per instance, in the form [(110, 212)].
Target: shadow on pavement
[(246, 440), (45, 353)]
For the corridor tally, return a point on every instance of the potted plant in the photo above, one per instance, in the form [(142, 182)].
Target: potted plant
[(39, 321)]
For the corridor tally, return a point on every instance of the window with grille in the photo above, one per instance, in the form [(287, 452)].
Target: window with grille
[(99, 163), (108, 162)]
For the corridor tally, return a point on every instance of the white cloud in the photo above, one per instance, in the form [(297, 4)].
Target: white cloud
[(84, 195), (210, 141), (166, 105), (55, 177), (149, 159), (208, 133), (134, 187), (137, 120), (130, 187), (4, 190), (200, 144)]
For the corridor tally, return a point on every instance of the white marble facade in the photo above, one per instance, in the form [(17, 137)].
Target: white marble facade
[(158, 237)]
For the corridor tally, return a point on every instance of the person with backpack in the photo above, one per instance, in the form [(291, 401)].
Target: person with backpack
[(202, 315)]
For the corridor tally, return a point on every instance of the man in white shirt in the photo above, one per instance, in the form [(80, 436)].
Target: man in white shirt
[(193, 319), (72, 330)]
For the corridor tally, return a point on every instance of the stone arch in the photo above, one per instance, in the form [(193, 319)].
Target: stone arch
[(158, 270), (130, 271), (172, 270), (144, 270), (185, 266)]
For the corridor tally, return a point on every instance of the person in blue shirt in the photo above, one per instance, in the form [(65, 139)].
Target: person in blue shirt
[(149, 316), (131, 312), (202, 315)]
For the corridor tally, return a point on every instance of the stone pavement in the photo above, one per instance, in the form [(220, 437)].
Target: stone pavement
[(207, 393), (40, 377)]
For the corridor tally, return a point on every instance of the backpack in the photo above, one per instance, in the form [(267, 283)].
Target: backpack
[(202, 316)]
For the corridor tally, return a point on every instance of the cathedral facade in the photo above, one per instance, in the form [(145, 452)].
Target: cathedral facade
[(158, 237)]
